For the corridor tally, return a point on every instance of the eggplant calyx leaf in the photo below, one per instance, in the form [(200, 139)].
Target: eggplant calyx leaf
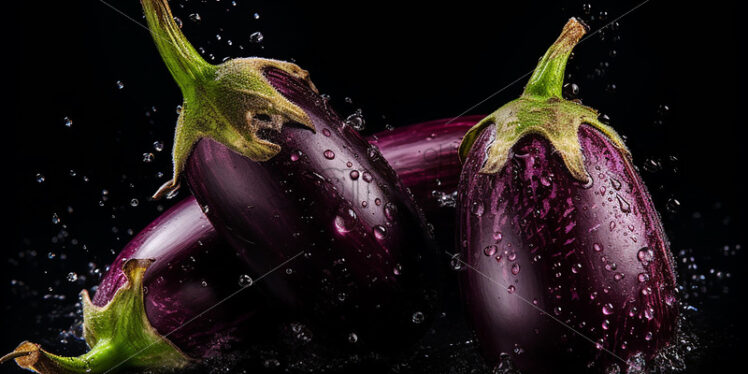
[(229, 103), (541, 110), (118, 333), (558, 121)]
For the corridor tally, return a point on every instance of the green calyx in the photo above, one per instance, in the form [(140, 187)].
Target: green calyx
[(543, 111), (119, 334), (229, 102)]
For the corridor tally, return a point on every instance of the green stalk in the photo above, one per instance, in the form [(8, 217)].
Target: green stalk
[(542, 110), (228, 103), (548, 78), (184, 62), (119, 334)]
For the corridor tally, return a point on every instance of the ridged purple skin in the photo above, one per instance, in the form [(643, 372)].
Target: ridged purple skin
[(369, 266), (576, 252), (184, 231), (188, 252)]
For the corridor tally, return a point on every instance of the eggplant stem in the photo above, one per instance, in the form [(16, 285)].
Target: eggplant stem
[(225, 102), (183, 61), (548, 78), (14, 355)]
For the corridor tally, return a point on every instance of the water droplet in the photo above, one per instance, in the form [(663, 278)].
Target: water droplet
[(623, 204), (55, 218), (356, 120), (72, 277), (649, 313), (204, 284), (672, 205), (645, 255), (648, 336), (380, 232), (456, 262), (417, 318), (597, 247), (511, 289), (354, 174), (570, 91), (352, 338), (398, 269), (606, 324), (39, 178), (134, 202), (642, 277), (245, 280), (120, 85), (366, 176), (158, 146), (497, 236), (557, 310), (178, 22), (256, 16), (195, 17), (67, 121), (515, 269), (295, 155), (490, 250), (326, 132), (329, 154), (345, 221), (256, 37), (147, 157), (389, 211), (576, 268), (477, 208), (615, 183), (608, 309)]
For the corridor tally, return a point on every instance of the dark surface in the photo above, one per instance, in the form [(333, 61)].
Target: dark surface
[(408, 64)]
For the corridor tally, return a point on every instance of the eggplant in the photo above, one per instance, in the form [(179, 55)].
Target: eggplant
[(143, 312), (566, 264), (280, 174), (183, 251)]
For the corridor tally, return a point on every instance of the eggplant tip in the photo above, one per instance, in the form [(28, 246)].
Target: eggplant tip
[(167, 189), (29, 356)]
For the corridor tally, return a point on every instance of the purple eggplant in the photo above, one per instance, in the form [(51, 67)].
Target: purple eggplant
[(139, 318), (279, 175), (567, 266), (424, 156), (183, 282)]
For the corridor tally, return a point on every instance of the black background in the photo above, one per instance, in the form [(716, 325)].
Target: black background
[(400, 64)]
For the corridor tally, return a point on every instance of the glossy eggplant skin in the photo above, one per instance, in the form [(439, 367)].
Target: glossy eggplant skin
[(424, 156), (193, 271), (181, 235), (368, 268), (539, 245)]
